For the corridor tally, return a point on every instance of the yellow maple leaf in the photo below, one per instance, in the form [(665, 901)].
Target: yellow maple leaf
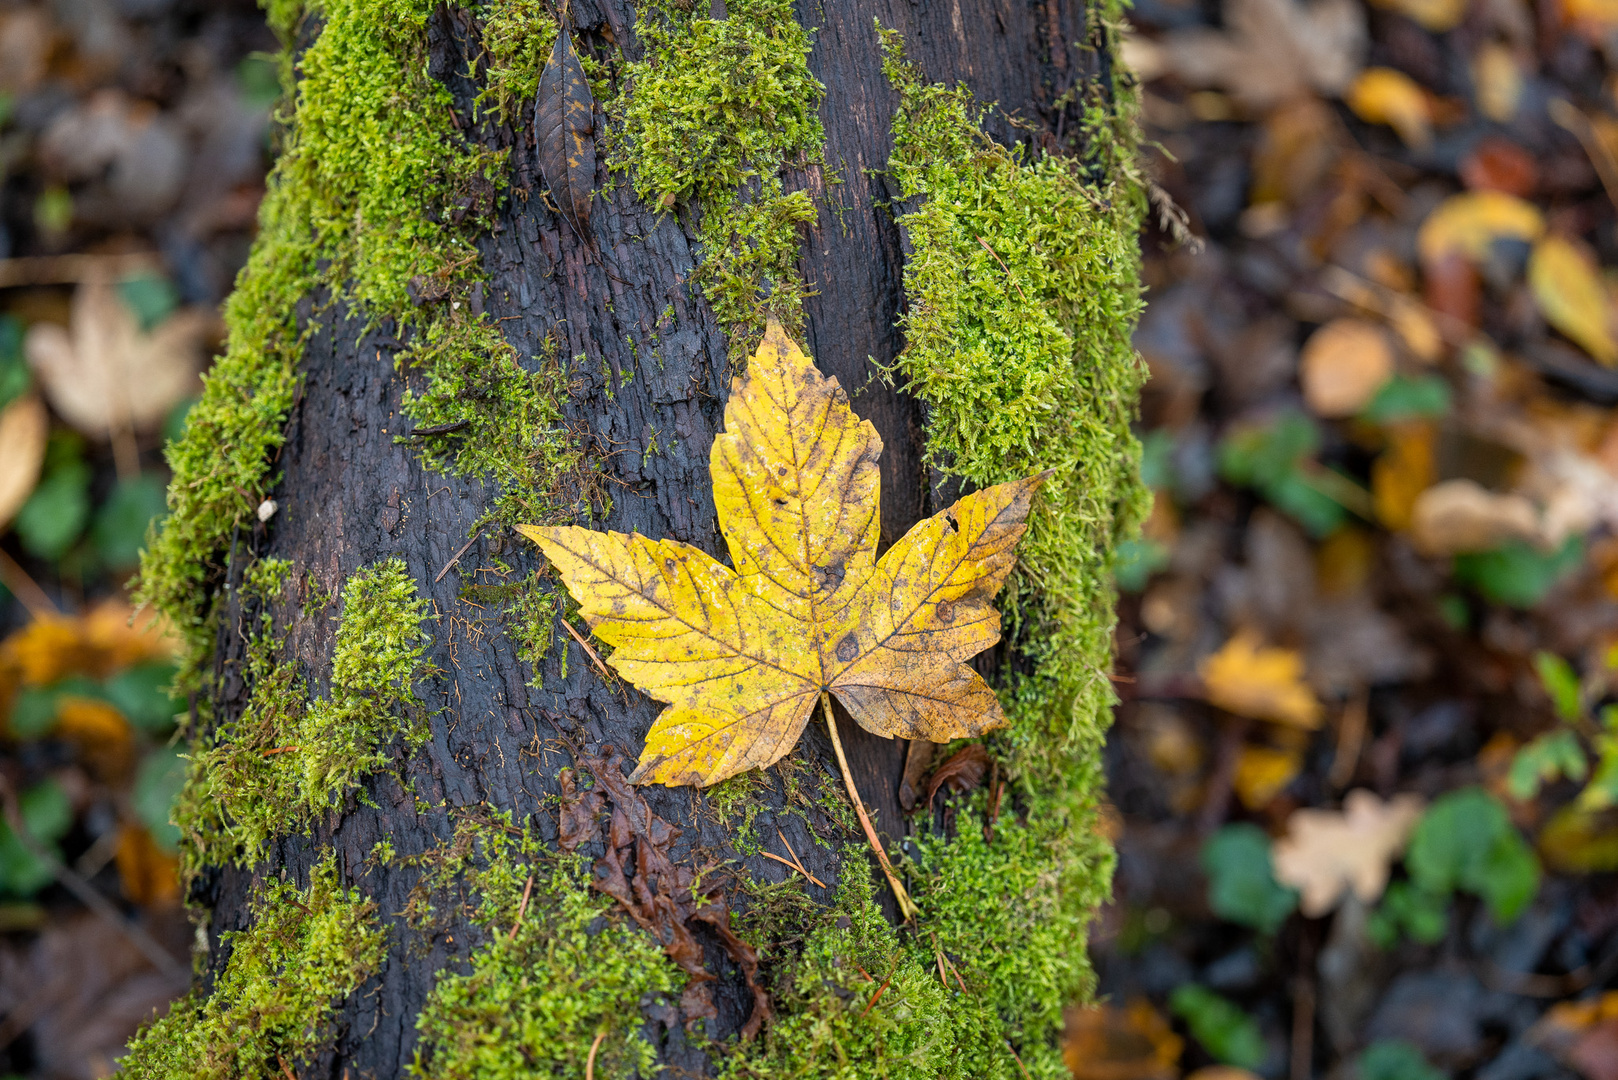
[(742, 656), (1468, 223), (1249, 679)]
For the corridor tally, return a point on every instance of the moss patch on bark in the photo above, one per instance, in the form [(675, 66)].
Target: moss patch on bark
[(713, 117), (287, 759), (553, 978), (305, 951)]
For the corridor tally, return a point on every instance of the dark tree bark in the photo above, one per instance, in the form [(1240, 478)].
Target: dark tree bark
[(352, 493)]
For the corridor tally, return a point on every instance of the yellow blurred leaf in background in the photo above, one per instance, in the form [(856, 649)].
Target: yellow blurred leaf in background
[(1567, 286), (1435, 15), (1466, 224), (1325, 853), (1343, 365), (24, 426), (1402, 472), (1248, 679), (1262, 773), (1384, 96), (1497, 82)]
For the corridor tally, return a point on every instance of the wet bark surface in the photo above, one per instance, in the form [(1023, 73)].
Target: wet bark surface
[(353, 493)]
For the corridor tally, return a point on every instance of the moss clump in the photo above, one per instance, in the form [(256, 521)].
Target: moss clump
[(365, 195), (304, 952), (526, 608), (517, 38), (534, 1002), (714, 115), (512, 432), (1022, 292), (287, 759)]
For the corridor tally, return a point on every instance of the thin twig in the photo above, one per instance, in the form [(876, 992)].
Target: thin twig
[(797, 863), (1350, 739), (1004, 267), (455, 558), (25, 589), (595, 657), (907, 906), (87, 894), (70, 269), (590, 1062), (794, 866), (880, 990), (1018, 1060), (527, 891), (1572, 119), (286, 1070)]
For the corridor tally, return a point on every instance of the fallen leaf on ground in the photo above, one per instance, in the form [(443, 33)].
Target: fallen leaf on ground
[(1271, 50), (1402, 472), (149, 874), (1343, 365), (1459, 516), (1582, 1034), (24, 427), (1567, 286), (1262, 773), (1382, 95), (1248, 679), (1326, 853), (104, 374), (564, 131), (1497, 79), (1497, 164), (742, 656), (1131, 1042), (1435, 15), (1466, 224)]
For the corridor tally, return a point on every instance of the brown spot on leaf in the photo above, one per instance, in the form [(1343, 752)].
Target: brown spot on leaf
[(848, 648), (945, 610)]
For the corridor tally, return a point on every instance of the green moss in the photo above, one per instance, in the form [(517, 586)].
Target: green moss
[(304, 952), (513, 435), (534, 1002), (287, 760), (714, 115), (358, 205), (517, 38), (527, 610)]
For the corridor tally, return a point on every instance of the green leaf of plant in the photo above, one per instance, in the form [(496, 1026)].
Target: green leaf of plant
[(1220, 1025), (1547, 758), (1241, 879), (1394, 1059), (1518, 574), (1561, 682), (157, 785), (1465, 840)]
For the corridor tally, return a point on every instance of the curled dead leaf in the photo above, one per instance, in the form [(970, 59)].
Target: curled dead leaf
[(962, 772), (24, 427), (1466, 224), (103, 373), (1271, 51), (1382, 95), (1327, 853)]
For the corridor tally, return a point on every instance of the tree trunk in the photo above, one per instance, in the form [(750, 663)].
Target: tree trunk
[(640, 365)]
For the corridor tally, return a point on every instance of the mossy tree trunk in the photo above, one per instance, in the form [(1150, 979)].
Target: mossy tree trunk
[(354, 769)]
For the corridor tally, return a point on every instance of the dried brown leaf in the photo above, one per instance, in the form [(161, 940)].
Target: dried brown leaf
[(564, 133), (24, 426)]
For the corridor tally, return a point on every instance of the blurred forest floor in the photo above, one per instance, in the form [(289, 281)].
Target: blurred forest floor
[(1365, 772)]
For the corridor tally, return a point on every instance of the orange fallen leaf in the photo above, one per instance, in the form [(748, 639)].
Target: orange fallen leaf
[(1132, 1042), (100, 732), (150, 875), (743, 656), (1344, 364), (1402, 472), (1327, 853), (1382, 95), (1567, 286), (1248, 679)]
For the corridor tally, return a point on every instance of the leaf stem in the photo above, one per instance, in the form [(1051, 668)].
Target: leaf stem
[(907, 906)]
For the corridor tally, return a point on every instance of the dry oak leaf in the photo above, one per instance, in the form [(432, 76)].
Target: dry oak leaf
[(742, 656), (24, 427), (1249, 679), (1325, 853)]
